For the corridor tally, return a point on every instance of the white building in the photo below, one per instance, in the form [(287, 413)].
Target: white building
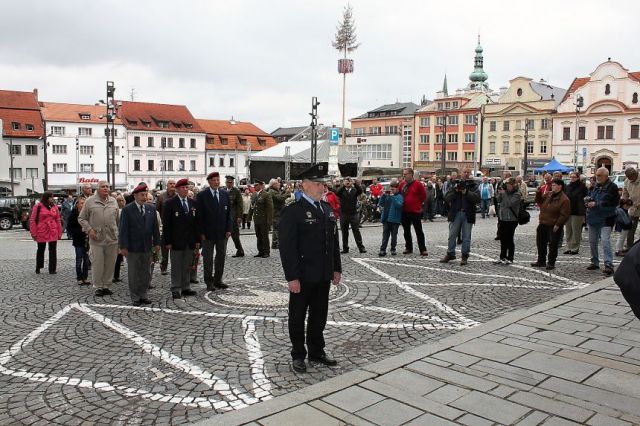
[(608, 123), (77, 146), (22, 139), (163, 142)]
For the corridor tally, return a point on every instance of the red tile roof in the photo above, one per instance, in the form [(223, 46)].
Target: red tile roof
[(635, 75), (21, 108), (54, 111), (577, 83), (148, 116), (221, 130)]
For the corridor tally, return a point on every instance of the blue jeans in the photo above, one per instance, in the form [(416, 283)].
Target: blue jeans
[(389, 229), (484, 207), (82, 263), (597, 233), (460, 222)]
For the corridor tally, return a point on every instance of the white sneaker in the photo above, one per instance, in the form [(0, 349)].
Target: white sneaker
[(499, 262), (508, 262)]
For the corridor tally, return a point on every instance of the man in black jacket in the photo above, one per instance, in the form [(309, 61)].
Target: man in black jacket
[(348, 195), (311, 261), (180, 231)]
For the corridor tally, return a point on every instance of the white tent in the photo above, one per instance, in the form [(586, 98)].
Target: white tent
[(300, 152)]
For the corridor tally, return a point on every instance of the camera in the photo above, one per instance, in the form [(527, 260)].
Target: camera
[(587, 200)]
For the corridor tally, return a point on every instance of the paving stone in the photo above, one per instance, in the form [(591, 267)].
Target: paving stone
[(510, 372), (389, 412), (616, 381), (557, 337), (447, 394), (431, 420), (525, 344), (572, 326), (343, 416), (496, 351), (556, 366), (519, 329), (447, 375), (490, 407), (471, 420), (602, 420), (409, 381), (605, 347), (502, 391), (557, 421), (303, 414), (456, 357), (353, 399), (548, 405), (533, 419), (606, 320)]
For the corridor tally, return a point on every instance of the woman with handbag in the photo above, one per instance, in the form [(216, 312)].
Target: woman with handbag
[(80, 243), (509, 200), (45, 225)]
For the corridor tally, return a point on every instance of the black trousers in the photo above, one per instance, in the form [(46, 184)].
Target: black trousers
[(235, 236), (546, 237), (507, 245), (352, 220), (262, 235), (53, 255), (409, 219), (314, 298), (208, 247), (116, 271), (164, 262)]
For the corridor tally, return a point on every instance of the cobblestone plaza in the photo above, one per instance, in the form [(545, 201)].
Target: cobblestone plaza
[(68, 357)]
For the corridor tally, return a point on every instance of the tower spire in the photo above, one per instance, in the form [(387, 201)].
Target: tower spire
[(444, 86), (478, 77)]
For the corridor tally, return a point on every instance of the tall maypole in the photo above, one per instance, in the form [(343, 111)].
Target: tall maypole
[(345, 42)]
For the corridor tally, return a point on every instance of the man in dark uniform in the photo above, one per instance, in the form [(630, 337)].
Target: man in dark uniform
[(310, 258), (181, 238), (262, 218), (160, 200), (279, 198), (235, 201), (348, 194)]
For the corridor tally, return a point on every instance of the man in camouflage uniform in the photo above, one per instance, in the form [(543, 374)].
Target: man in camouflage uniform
[(235, 201), (279, 198), (262, 217)]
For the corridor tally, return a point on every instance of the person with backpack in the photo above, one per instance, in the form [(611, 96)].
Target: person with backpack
[(623, 225), (45, 225), (509, 199)]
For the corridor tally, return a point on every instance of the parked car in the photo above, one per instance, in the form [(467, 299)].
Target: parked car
[(618, 179), (8, 213)]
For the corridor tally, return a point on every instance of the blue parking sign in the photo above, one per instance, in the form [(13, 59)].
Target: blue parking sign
[(335, 136), (584, 152)]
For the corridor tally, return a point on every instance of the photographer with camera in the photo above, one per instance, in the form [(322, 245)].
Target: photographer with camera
[(601, 206), (462, 198)]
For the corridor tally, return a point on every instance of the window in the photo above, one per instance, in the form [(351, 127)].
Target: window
[(391, 130), (117, 168), (453, 138), (59, 149), (193, 143), (136, 165), (440, 108), (605, 132), (86, 168), (136, 141), (634, 99), (224, 141), (566, 133), (212, 162), (505, 126), (452, 156), (181, 165), (492, 126), (607, 89), (192, 163), (29, 129), (242, 141), (453, 119), (531, 124), (469, 119), (151, 165), (438, 156), (635, 131), (424, 156), (57, 130), (518, 148), (468, 156), (519, 92), (150, 142), (492, 147), (169, 143), (262, 142), (543, 147), (85, 116), (505, 147), (232, 161), (371, 151), (170, 165), (31, 149), (17, 173), (358, 131), (529, 147), (114, 133), (86, 149), (424, 139), (181, 143), (15, 126), (582, 133), (163, 124), (84, 131), (425, 121), (470, 137), (32, 173), (544, 124), (439, 138), (440, 121), (374, 130), (220, 161), (15, 149), (59, 167), (447, 105), (116, 150)]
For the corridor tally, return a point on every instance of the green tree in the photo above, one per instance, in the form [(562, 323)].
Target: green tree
[(346, 39)]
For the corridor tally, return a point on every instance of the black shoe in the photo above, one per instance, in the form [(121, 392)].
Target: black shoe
[(116, 280), (194, 281), (137, 304), (145, 301), (220, 285), (265, 256), (163, 271), (497, 238), (568, 252), (258, 255), (574, 252), (539, 264), (52, 272), (344, 251), (447, 258), (151, 286), (299, 365), (464, 260), (189, 293), (176, 295), (593, 267), (99, 292), (210, 288), (363, 250), (393, 253), (107, 292), (382, 254), (324, 359), (608, 271), (407, 252), (238, 255), (550, 266), (37, 270)]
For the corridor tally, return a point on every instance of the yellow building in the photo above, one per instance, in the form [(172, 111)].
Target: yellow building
[(520, 119)]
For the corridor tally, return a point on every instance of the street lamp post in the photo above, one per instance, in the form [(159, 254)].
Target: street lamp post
[(77, 165), (11, 171), (163, 163), (526, 148), (579, 103), (443, 155)]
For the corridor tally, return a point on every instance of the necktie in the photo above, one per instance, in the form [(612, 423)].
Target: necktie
[(318, 206), (141, 210), (215, 199), (184, 206)]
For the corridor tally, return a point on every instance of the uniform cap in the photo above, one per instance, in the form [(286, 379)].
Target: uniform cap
[(212, 175), (140, 188), (258, 182), (315, 173), (182, 182), (229, 177)]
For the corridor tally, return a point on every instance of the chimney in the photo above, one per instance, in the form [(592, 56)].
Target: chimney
[(35, 93)]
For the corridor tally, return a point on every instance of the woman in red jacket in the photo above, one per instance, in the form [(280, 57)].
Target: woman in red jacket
[(330, 197), (45, 226)]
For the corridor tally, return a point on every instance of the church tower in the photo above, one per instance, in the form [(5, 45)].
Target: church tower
[(478, 77)]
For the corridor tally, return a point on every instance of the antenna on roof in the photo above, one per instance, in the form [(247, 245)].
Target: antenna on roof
[(132, 93)]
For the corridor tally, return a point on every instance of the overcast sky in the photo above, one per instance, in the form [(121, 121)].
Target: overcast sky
[(263, 60)]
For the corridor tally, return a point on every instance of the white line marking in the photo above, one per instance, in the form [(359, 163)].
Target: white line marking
[(261, 384), (446, 323), (488, 285), (468, 323), (175, 311)]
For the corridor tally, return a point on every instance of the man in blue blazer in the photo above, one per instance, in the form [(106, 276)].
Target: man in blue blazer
[(215, 222), (139, 233)]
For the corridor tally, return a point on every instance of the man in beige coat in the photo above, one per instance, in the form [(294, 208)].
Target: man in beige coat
[(99, 219), (631, 192)]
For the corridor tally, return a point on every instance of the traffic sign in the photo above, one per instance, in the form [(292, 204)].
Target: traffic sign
[(334, 137)]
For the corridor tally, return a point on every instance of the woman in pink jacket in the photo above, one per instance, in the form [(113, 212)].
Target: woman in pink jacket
[(45, 227)]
